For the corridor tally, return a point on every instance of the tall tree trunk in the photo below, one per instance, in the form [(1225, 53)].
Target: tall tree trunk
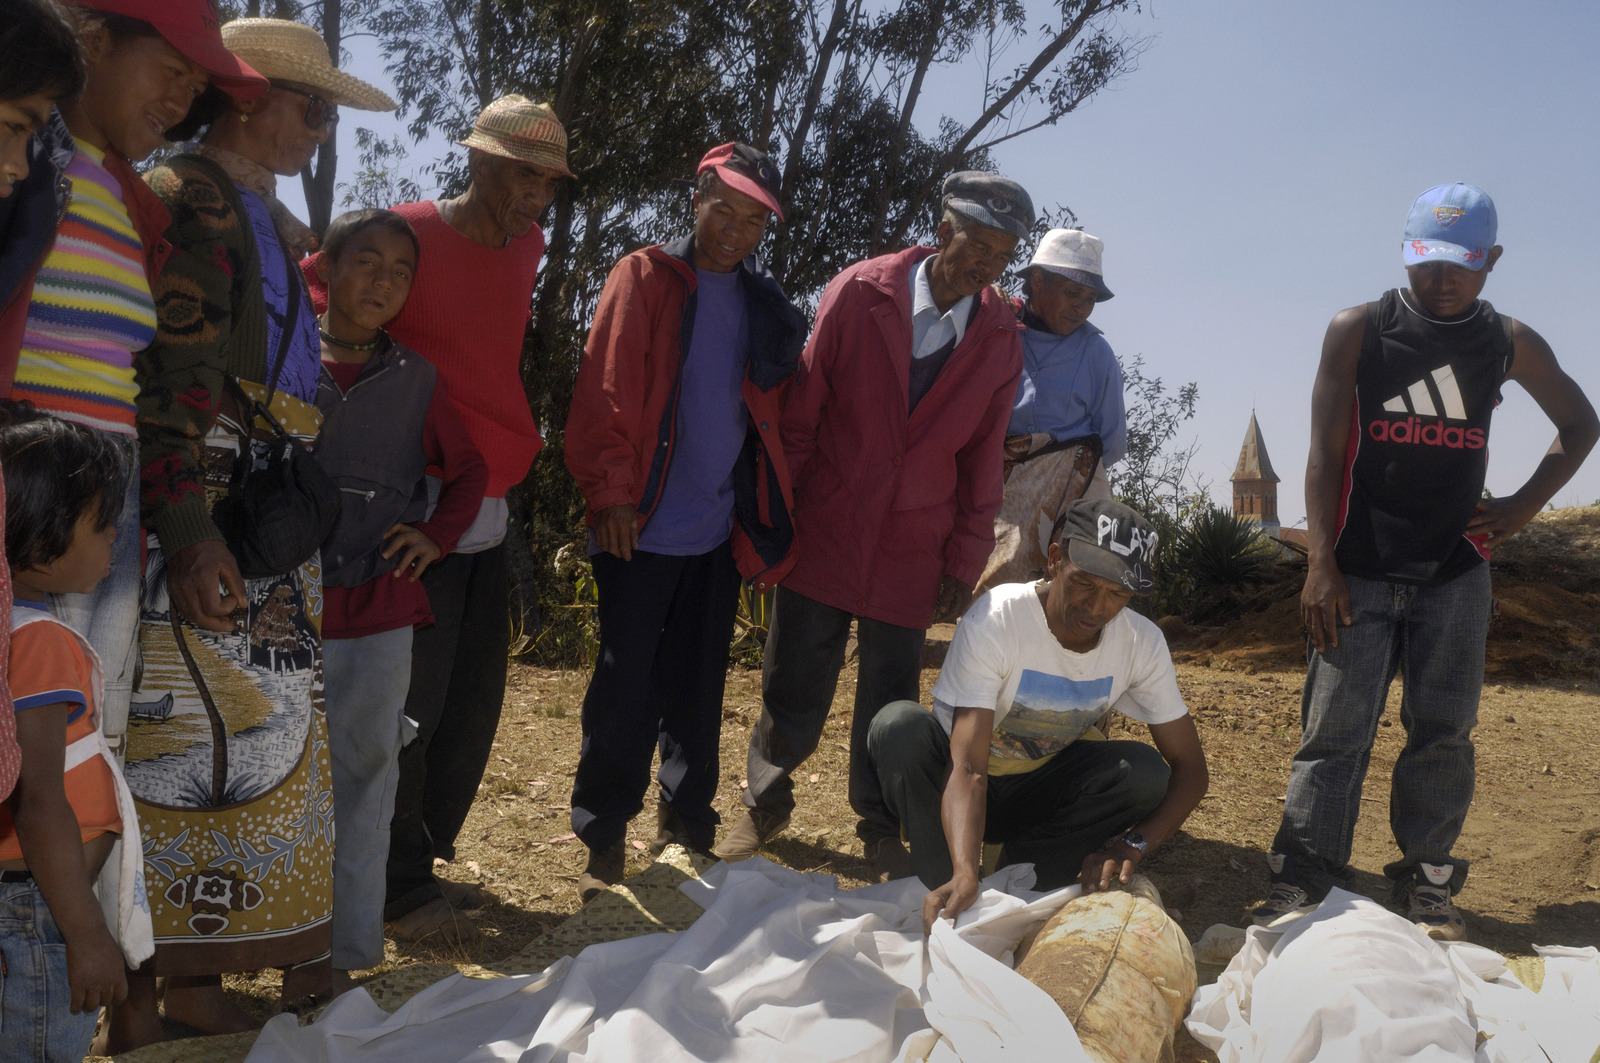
[(319, 183), (888, 241)]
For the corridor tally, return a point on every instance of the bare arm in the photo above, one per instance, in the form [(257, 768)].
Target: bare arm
[(1325, 600), (1179, 745), (962, 810), (1563, 401), (48, 832)]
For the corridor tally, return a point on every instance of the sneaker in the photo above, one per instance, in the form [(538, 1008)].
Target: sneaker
[(888, 857), (755, 828), (604, 869), (1431, 908), (1284, 900)]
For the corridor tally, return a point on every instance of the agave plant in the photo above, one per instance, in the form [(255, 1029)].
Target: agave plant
[(1217, 558)]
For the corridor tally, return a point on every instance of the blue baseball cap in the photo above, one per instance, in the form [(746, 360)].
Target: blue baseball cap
[(1450, 223)]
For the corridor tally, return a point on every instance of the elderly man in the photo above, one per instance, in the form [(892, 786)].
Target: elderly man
[(894, 428), (673, 437), (467, 312)]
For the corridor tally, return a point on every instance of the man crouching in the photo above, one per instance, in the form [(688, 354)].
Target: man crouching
[(1009, 755)]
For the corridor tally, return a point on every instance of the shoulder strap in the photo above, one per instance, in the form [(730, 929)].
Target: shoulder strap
[(1507, 323), (22, 616)]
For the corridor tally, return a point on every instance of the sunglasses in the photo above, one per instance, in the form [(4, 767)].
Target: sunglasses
[(319, 112)]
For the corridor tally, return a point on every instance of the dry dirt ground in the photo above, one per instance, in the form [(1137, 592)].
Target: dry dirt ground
[(1533, 835)]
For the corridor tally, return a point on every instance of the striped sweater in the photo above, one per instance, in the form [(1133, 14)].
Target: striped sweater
[(91, 307)]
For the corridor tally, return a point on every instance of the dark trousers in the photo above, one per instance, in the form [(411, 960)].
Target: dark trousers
[(799, 674), (1051, 817), (458, 682), (665, 626)]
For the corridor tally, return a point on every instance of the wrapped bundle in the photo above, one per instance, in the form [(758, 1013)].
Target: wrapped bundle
[(1120, 968)]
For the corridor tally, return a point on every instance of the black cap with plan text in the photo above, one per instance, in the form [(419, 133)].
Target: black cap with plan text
[(1106, 538)]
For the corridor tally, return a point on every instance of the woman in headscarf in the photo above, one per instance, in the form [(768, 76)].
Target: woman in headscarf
[(227, 754)]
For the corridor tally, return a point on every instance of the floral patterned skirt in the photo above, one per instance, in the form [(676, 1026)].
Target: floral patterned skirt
[(228, 763), (1042, 479)]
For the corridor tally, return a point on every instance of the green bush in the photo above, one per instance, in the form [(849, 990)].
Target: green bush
[(1218, 560)]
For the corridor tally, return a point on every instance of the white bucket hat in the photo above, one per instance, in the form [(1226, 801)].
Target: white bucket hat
[(1075, 255)]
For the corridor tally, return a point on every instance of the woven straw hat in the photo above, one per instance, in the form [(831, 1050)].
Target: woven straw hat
[(518, 128), (289, 51)]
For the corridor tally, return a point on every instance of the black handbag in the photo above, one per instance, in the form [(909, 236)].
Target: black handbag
[(276, 515)]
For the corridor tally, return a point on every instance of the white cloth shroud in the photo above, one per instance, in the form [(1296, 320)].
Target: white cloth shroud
[(783, 967), (1352, 980)]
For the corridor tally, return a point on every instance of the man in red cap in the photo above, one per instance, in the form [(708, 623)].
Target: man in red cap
[(673, 439)]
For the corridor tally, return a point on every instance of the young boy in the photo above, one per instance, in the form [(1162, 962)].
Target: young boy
[(387, 422), (70, 808), (1400, 533)]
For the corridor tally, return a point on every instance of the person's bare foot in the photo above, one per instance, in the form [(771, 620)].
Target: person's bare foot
[(308, 985), (132, 1024), (342, 983), (199, 1001)]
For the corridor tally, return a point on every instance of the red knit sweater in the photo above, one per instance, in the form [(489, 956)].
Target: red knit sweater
[(468, 309)]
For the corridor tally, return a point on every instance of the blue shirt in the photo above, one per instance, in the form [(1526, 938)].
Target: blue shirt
[(1071, 386), (695, 514)]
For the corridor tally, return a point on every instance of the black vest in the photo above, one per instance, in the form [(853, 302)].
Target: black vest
[(1419, 443), (371, 445)]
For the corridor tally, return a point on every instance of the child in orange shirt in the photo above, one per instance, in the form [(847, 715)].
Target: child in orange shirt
[(70, 809)]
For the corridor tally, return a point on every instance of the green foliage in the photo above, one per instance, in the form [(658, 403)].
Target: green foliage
[(1218, 560), (751, 625), (1154, 477), (569, 636)]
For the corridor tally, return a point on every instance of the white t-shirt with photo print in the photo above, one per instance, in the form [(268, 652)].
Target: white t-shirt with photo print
[(1044, 695)]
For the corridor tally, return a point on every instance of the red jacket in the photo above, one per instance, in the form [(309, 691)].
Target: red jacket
[(623, 421), (885, 503)]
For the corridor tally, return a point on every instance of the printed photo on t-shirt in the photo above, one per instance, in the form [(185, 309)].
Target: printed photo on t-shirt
[(1048, 713)]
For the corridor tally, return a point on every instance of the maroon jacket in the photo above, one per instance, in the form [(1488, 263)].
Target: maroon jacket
[(622, 425), (887, 503)]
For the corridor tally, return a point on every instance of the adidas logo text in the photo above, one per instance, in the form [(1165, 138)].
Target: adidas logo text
[(1435, 434)]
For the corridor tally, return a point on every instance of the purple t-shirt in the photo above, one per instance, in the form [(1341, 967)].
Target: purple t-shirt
[(695, 514)]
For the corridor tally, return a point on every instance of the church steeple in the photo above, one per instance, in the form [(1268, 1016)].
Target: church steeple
[(1255, 485)]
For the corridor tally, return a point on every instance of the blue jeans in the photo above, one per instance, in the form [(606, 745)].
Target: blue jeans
[(108, 616), (36, 1020), (1434, 637), (366, 681)]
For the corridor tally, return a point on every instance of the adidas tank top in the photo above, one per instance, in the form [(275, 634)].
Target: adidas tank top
[(1419, 441)]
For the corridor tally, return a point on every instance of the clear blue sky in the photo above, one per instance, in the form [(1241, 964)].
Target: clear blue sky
[(1252, 177)]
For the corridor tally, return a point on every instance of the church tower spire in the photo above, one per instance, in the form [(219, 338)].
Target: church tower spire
[(1255, 485)]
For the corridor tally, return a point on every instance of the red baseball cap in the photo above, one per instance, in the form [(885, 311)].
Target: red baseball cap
[(192, 28), (744, 169)]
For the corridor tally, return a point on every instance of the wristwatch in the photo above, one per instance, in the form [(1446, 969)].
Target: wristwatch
[(1135, 841)]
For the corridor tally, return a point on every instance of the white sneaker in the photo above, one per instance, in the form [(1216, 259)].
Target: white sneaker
[(1431, 908), (1285, 899)]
